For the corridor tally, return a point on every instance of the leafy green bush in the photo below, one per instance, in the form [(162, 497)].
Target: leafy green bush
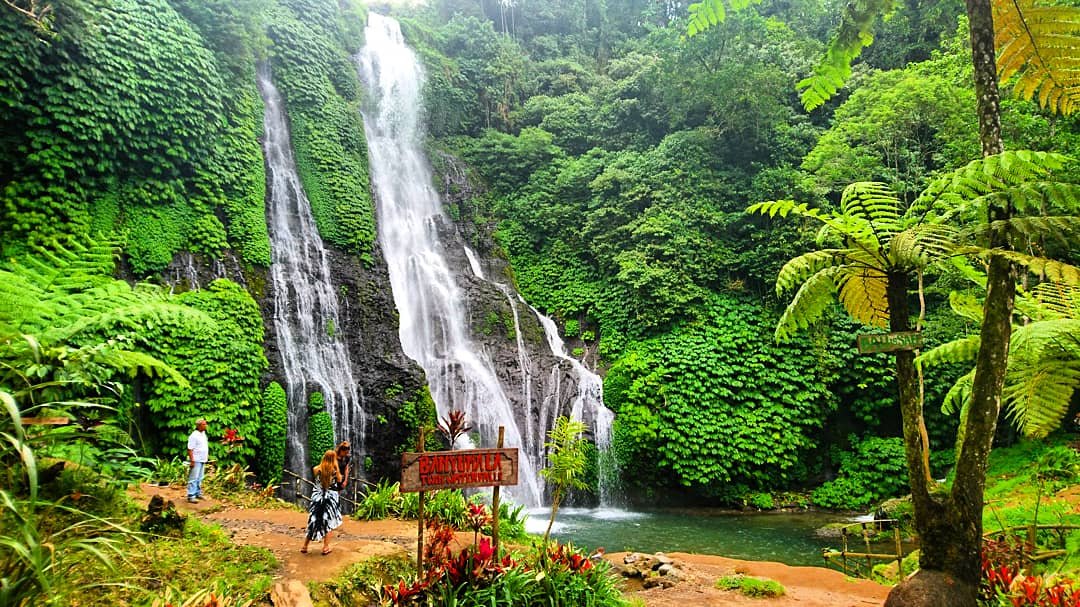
[(272, 434), (320, 436), (717, 403), (751, 586), (379, 502), (761, 501), (224, 361), (873, 470)]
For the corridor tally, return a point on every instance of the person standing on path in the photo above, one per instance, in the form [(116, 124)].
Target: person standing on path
[(198, 449), (324, 513)]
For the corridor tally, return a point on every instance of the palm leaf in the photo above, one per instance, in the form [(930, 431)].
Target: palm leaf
[(810, 302), (1037, 45), (1037, 396), (963, 350), (862, 293)]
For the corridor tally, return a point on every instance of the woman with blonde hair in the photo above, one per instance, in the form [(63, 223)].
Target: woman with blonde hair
[(324, 513)]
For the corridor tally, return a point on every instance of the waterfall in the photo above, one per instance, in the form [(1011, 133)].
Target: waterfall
[(588, 406), (306, 321), (433, 327)]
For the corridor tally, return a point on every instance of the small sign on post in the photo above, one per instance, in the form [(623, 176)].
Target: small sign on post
[(873, 343), (432, 470)]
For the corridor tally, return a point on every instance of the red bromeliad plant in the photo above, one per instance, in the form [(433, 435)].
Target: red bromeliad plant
[(478, 517), (1004, 586)]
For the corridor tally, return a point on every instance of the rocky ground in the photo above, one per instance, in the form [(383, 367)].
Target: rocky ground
[(689, 579)]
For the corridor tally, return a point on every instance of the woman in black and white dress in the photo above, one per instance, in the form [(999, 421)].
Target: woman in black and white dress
[(324, 513)]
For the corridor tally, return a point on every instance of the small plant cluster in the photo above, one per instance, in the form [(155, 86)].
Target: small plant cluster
[(1003, 585), (449, 507), (557, 575), (751, 586)]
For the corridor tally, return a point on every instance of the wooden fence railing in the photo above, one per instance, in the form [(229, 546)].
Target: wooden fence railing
[(851, 562), (299, 483)]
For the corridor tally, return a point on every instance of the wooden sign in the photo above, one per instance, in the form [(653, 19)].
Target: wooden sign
[(432, 470), (889, 342)]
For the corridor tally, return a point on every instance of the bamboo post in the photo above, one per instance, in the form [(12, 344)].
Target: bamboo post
[(495, 503), (1031, 536), (420, 517), (866, 541), (843, 552), (899, 553)]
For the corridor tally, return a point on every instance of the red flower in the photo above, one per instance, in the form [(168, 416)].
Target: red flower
[(232, 437), (485, 551)]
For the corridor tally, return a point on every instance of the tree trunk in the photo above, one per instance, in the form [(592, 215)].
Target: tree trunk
[(965, 503), (928, 512)]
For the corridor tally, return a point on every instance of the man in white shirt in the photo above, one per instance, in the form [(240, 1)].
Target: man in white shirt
[(198, 449)]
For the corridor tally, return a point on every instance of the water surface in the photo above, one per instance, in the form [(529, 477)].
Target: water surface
[(783, 537)]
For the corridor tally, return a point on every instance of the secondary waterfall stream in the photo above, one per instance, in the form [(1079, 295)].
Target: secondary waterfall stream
[(305, 301)]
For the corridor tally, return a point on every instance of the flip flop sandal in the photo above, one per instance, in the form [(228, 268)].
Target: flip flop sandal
[(328, 551), (303, 551)]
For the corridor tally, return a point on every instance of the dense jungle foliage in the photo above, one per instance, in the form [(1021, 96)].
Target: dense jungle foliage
[(616, 159), (619, 157)]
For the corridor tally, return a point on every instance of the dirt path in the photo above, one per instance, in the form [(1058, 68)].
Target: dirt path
[(282, 532)]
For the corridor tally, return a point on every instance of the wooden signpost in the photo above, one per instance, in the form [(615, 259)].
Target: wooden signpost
[(429, 470), (872, 343)]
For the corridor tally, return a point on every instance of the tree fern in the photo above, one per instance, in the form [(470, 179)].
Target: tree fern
[(1037, 47)]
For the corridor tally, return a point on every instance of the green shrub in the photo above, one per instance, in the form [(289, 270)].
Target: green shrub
[(751, 586), (379, 502), (572, 328), (272, 434), (761, 501), (320, 436), (875, 469)]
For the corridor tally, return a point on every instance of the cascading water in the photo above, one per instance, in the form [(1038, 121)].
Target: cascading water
[(433, 326), (305, 301), (588, 406)]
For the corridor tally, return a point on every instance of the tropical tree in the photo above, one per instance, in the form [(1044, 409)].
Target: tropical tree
[(1037, 50), (566, 463), (1044, 356), (881, 249)]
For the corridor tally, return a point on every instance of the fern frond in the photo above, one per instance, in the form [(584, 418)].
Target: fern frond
[(862, 293), (810, 302), (1060, 299), (797, 270), (1021, 230), (1037, 45), (922, 245), (963, 350), (966, 305), (1052, 270), (707, 14), (134, 363), (959, 394), (875, 202), (960, 192), (853, 34), (1038, 396)]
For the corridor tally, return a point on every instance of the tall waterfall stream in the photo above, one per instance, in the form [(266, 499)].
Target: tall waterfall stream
[(305, 301), (430, 302)]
